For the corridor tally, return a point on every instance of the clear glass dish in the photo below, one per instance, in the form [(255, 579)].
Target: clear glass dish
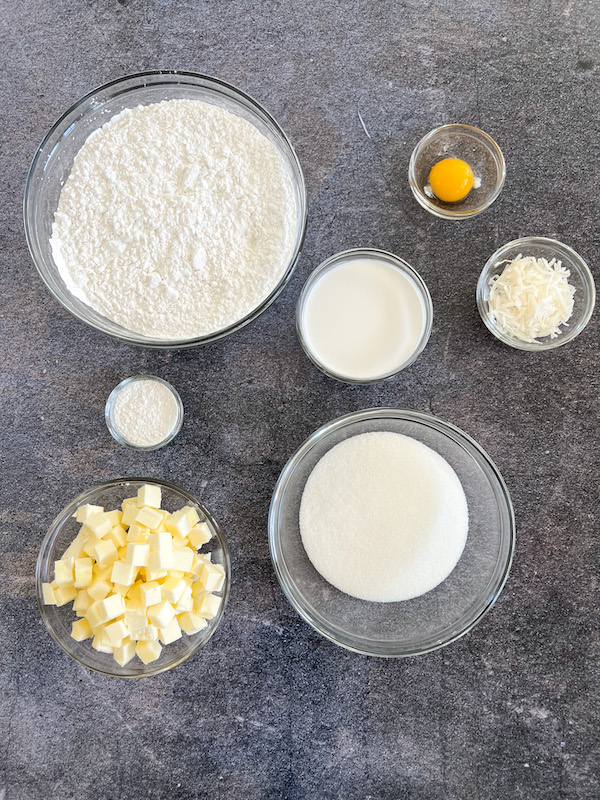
[(389, 258), (54, 159), (469, 144), (109, 413), (581, 278), (58, 620), (424, 623)]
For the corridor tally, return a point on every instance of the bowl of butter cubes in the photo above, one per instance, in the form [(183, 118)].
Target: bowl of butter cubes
[(133, 577)]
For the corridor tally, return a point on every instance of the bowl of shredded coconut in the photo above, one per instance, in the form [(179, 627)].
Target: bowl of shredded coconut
[(167, 209), (535, 294)]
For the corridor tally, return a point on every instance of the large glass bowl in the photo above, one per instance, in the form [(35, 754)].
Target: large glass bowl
[(425, 623), (53, 161), (58, 620), (580, 278)]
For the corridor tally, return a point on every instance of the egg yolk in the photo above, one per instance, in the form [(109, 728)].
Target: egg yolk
[(451, 179)]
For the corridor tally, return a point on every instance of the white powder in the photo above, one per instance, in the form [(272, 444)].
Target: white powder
[(177, 219), (145, 412), (383, 517)]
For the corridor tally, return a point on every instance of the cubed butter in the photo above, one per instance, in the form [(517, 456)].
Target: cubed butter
[(148, 651), (75, 549), (208, 606), (183, 558), (138, 534), (125, 652), (98, 589), (160, 560), (116, 632), (118, 536), (161, 614), (191, 623), (171, 633), (200, 534), (100, 642), (82, 602), (99, 524), (84, 571), (64, 594), (150, 593), (213, 577), (115, 517), (48, 594), (85, 511), (149, 495), (123, 573), (63, 571), (149, 517), (81, 630), (179, 523), (172, 589), (138, 555), (111, 607), (130, 511), (185, 602)]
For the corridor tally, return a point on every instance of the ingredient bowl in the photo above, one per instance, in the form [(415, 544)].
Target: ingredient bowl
[(54, 159), (110, 416), (581, 279), (469, 144), (425, 623), (58, 620)]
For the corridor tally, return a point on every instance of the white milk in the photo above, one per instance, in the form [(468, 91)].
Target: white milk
[(363, 319)]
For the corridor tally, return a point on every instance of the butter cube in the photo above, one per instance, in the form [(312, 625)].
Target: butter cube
[(75, 549), (125, 652), (149, 633), (172, 589), (148, 651), (48, 594), (149, 495), (130, 511), (198, 589), (138, 555), (135, 618), (99, 524), (100, 642), (208, 606), (191, 514), (149, 517), (111, 607), (185, 602), (171, 633), (183, 558), (115, 517), (150, 593), (85, 511), (119, 588), (200, 534), (213, 577), (138, 534), (102, 574), (93, 615), (63, 571), (64, 595), (116, 632), (118, 536), (198, 563), (81, 630), (161, 614), (98, 589), (89, 545), (179, 523), (83, 572), (105, 553), (154, 574), (133, 592), (191, 623), (123, 573), (82, 602), (160, 559)]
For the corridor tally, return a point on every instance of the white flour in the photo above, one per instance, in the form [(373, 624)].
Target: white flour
[(383, 517), (145, 412), (177, 219)]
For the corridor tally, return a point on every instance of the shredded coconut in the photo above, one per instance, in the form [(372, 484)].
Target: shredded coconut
[(531, 298), (145, 412), (177, 219)]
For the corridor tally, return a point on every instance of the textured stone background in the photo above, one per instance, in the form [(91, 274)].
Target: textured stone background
[(270, 709)]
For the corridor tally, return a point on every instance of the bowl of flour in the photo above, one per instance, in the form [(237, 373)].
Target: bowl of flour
[(391, 532), (167, 209)]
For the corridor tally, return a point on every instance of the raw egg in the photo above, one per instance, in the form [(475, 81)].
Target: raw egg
[(451, 179)]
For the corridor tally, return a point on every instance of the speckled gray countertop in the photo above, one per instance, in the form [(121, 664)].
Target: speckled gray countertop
[(270, 709)]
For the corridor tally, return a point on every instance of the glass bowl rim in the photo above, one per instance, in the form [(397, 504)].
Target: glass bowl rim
[(426, 202), (299, 183), (385, 649), (55, 528), (380, 255), (560, 247), (110, 404)]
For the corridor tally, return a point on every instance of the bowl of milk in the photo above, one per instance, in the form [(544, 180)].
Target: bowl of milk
[(364, 315), (391, 532)]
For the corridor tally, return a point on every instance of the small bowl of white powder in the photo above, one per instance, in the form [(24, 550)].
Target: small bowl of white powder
[(144, 412), (166, 209), (391, 532)]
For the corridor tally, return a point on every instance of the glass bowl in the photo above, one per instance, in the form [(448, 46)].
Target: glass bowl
[(470, 144), (109, 413), (581, 278), (425, 623), (358, 253), (53, 161), (58, 619)]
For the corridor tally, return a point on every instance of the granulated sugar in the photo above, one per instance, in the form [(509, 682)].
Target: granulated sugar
[(145, 412), (177, 219), (383, 517)]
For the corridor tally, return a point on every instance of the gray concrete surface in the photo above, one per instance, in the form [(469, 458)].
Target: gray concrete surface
[(270, 709)]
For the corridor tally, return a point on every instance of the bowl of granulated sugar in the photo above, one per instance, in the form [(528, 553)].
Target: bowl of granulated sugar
[(166, 209), (391, 532)]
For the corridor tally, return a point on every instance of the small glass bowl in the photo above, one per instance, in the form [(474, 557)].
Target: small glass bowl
[(425, 623), (581, 278), (348, 255), (470, 144), (109, 413), (58, 620), (54, 159)]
